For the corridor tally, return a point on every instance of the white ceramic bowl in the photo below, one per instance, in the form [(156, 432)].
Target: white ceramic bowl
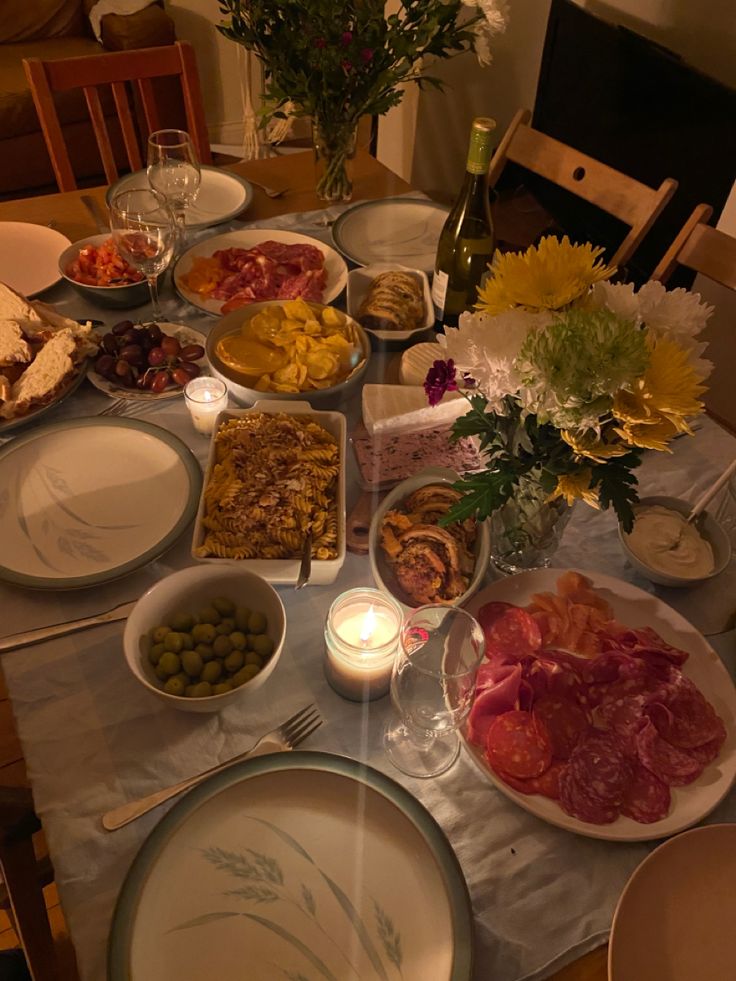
[(114, 297), (359, 281), (380, 569), (194, 588), (237, 383), (708, 528)]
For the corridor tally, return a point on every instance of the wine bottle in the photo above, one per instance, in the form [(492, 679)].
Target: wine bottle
[(466, 241)]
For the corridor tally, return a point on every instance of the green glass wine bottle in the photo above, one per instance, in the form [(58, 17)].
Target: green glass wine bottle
[(466, 241)]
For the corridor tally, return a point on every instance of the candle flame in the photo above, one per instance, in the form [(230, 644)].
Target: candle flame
[(369, 625)]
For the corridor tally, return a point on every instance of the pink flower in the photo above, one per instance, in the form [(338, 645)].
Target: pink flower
[(366, 55), (346, 38), (346, 64), (319, 42), (440, 379)]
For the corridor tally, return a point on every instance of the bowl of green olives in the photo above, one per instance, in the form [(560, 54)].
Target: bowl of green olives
[(205, 636)]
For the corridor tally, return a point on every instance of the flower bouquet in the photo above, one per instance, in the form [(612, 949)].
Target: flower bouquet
[(568, 378), (338, 61)]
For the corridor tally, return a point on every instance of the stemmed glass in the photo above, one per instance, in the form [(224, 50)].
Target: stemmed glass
[(432, 688), (144, 232), (173, 170)]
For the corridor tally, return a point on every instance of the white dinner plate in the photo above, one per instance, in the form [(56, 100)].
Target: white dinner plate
[(399, 231), (674, 920), (248, 238), (89, 500), (185, 335), (29, 256), (635, 608), (222, 195), (294, 865)]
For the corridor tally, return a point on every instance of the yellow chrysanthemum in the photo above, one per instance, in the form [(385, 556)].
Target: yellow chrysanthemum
[(648, 436), (591, 447), (576, 487), (545, 277), (668, 392)]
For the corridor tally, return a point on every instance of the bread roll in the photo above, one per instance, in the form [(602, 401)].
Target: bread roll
[(394, 301)]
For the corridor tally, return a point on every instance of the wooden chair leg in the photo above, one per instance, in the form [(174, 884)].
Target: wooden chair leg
[(18, 863)]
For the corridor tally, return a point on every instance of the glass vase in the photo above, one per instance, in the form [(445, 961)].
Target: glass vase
[(526, 531), (334, 150)]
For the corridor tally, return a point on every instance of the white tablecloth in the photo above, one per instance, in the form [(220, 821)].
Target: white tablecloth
[(93, 739)]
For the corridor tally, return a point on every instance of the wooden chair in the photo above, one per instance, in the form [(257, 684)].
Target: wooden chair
[(700, 247), (120, 69), (633, 203), (23, 881)]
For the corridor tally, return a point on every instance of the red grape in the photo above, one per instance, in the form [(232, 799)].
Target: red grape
[(161, 382), (170, 346), (192, 352)]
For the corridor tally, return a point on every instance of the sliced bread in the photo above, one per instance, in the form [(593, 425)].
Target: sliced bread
[(51, 367), (14, 348)]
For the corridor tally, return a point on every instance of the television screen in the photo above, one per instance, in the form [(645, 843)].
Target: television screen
[(639, 108)]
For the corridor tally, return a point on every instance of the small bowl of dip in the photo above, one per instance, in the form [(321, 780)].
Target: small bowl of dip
[(670, 552)]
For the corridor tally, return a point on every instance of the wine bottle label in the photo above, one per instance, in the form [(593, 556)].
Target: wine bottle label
[(439, 292)]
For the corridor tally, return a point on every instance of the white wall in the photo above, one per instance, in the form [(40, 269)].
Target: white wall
[(218, 63)]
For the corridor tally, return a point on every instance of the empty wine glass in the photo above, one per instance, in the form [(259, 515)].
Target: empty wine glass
[(144, 232), (173, 170), (432, 688)]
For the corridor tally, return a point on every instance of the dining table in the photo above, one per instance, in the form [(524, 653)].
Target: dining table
[(542, 897)]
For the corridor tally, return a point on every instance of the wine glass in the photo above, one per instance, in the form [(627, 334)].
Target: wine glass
[(145, 232), (432, 688), (173, 170)]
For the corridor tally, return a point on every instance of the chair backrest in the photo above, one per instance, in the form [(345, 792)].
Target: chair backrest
[(635, 204), (707, 250), (116, 69)]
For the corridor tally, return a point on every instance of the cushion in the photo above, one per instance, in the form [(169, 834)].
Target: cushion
[(17, 111), (21, 20)]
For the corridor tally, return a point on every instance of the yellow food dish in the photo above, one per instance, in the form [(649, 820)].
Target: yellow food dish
[(293, 347)]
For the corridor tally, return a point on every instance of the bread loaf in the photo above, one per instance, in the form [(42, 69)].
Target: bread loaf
[(51, 367), (394, 301)]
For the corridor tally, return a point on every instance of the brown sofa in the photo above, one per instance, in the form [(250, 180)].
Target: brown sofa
[(57, 29)]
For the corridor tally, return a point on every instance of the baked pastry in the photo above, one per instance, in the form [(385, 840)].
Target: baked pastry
[(14, 348), (394, 301)]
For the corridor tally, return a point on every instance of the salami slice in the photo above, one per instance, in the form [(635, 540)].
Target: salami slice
[(706, 753), (515, 633), (600, 768), (647, 798), (623, 715), (578, 803), (546, 785), (566, 723), (489, 613), (676, 767), (518, 745), (685, 718)]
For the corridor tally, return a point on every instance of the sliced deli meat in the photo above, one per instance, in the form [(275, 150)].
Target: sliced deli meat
[(676, 767), (566, 722), (546, 785), (515, 633), (518, 745), (646, 798)]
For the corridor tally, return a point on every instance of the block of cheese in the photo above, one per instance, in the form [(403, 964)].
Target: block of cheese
[(389, 409)]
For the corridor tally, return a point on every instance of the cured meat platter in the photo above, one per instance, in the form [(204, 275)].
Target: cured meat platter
[(641, 745)]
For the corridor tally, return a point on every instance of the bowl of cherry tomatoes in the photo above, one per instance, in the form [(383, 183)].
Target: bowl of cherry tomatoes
[(96, 270)]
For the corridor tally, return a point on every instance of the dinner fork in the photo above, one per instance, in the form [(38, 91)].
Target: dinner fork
[(127, 407), (287, 736), (270, 192)]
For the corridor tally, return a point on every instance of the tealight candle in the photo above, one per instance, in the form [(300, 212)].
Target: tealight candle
[(361, 640), (205, 398)]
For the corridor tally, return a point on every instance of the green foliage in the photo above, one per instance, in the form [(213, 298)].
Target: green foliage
[(345, 59)]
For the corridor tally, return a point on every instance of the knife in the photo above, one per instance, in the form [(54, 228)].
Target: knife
[(99, 216), (14, 642)]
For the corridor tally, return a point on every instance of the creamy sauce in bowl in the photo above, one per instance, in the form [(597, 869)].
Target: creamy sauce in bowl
[(663, 540)]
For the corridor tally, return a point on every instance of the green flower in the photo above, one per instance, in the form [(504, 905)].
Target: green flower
[(573, 369)]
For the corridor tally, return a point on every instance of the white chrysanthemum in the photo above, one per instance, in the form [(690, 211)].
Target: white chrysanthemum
[(486, 348), (495, 18), (619, 298), (678, 315)]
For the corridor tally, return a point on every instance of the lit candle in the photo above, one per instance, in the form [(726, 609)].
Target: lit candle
[(205, 398), (361, 641)]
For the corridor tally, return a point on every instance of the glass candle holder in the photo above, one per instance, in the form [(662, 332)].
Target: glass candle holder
[(361, 641), (205, 398)]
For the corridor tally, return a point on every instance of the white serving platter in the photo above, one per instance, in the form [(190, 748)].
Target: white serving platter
[(29, 256), (636, 608)]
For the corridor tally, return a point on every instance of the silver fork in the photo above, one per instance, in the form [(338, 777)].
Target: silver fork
[(270, 192), (286, 736), (127, 407)]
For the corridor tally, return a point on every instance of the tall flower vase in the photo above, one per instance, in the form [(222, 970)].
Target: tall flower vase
[(334, 150), (526, 531)]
